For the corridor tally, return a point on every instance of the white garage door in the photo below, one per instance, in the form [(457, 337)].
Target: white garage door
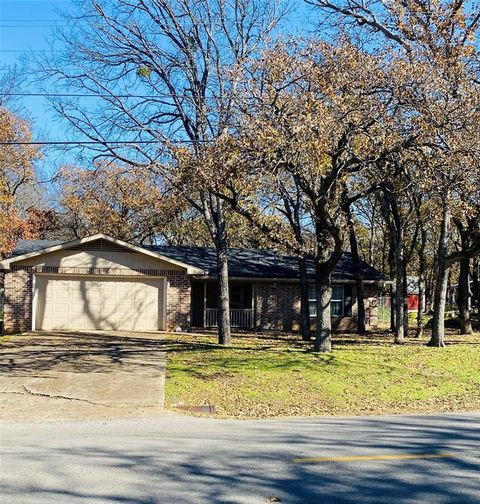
[(105, 303)]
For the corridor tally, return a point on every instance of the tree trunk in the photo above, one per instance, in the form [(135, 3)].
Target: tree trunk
[(421, 280), (212, 209), (371, 245), (430, 291), (405, 299), (421, 294), (438, 329), (358, 274), (214, 217), (323, 338), (463, 298), (304, 303), (476, 283), (399, 294), (394, 221), (361, 328), (393, 272), (223, 296), (476, 288)]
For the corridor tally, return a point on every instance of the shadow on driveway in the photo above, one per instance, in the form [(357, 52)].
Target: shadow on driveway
[(81, 375)]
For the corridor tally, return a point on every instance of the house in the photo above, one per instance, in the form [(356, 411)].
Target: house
[(413, 294), (103, 283)]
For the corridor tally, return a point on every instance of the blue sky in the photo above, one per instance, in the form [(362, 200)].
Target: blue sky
[(25, 26), (25, 29)]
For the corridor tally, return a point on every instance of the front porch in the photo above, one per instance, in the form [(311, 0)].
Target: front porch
[(205, 304), (241, 318)]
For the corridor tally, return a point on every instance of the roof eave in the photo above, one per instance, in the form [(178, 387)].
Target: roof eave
[(191, 270), (289, 279)]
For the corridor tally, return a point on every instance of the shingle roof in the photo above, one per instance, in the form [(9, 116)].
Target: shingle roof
[(27, 246), (243, 263), (261, 263)]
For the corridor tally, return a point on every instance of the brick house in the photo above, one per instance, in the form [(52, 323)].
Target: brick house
[(102, 283)]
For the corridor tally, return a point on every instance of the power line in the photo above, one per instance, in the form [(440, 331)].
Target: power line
[(99, 142), (92, 95), (29, 51), (32, 26), (33, 20), (106, 95)]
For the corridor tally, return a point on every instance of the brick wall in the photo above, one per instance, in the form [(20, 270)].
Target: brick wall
[(278, 307), (18, 302), (178, 301), (19, 297)]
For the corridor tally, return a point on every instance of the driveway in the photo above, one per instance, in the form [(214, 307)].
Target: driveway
[(56, 376)]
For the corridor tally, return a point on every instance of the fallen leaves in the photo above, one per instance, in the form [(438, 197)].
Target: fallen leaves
[(265, 377)]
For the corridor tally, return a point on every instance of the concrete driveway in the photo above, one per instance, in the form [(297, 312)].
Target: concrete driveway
[(56, 376)]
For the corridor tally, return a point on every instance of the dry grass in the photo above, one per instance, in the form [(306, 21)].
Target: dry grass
[(268, 376)]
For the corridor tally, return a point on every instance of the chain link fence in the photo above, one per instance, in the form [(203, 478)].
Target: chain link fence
[(384, 310)]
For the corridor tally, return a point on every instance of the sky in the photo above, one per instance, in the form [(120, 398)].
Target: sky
[(26, 30), (25, 27)]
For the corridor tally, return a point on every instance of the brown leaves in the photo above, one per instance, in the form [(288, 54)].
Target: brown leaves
[(124, 201), (16, 173), (261, 376)]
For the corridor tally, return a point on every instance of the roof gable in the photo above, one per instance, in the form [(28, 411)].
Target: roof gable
[(94, 242), (100, 245)]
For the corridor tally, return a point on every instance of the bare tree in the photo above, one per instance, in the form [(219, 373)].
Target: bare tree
[(165, 74)]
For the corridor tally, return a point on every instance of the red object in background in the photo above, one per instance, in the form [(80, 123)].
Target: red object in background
[(412, 302)]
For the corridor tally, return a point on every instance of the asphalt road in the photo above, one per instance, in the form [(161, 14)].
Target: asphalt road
[(174, 459)]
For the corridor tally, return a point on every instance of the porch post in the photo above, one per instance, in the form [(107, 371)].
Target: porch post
[(204, 303), (253, 322)]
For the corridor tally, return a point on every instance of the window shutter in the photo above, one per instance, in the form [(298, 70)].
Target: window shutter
[(348, 289)]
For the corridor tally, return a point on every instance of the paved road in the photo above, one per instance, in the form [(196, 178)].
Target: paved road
[(81, 376), (178, 459)]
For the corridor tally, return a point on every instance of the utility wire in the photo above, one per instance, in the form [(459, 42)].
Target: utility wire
[(29, 51), (92, 95), (32, 26), (59, 20), (99, 142), (106, 95)]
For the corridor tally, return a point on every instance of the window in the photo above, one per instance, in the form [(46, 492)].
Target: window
[(312, 301), (236, 297), (338, 297), (340, 305)]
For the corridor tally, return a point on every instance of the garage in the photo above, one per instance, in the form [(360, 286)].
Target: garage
[(98, 303), (94, 283)]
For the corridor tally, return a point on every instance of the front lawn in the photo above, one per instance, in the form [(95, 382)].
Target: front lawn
[(266, 376)]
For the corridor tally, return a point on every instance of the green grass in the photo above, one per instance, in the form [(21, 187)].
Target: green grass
[(261, 376)]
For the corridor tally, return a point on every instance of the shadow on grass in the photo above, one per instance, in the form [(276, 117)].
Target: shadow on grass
[(91, 352), (380, 337)]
